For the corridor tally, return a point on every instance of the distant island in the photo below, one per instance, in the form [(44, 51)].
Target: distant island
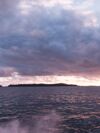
[(39, 85)]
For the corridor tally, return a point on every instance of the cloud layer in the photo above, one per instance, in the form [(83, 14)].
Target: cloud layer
[(49, 38)]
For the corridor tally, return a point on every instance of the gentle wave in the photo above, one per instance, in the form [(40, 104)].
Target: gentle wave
[(44, 124)]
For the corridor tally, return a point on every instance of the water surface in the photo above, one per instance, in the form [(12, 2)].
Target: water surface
[(50, 109)]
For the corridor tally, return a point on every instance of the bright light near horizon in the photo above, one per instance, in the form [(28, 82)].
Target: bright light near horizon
[(77, 80)]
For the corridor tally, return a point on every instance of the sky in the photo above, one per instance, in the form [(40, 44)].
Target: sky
[(50, 41)]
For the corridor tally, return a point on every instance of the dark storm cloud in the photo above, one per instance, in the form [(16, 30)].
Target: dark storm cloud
[(46, 41)]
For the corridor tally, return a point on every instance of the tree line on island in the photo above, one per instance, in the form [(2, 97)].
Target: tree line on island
[(40, 85)]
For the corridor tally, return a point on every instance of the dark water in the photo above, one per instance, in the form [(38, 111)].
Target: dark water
[(50, 110)]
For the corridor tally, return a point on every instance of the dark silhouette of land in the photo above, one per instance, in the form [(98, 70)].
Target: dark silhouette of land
[(40, 85)]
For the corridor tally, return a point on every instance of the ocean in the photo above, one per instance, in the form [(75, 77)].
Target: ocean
[(62, 109)]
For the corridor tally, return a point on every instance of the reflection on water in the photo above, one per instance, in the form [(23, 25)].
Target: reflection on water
[(50, 110), (44, 124)]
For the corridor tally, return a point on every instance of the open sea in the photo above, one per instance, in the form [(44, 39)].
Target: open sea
[(63, 109)]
